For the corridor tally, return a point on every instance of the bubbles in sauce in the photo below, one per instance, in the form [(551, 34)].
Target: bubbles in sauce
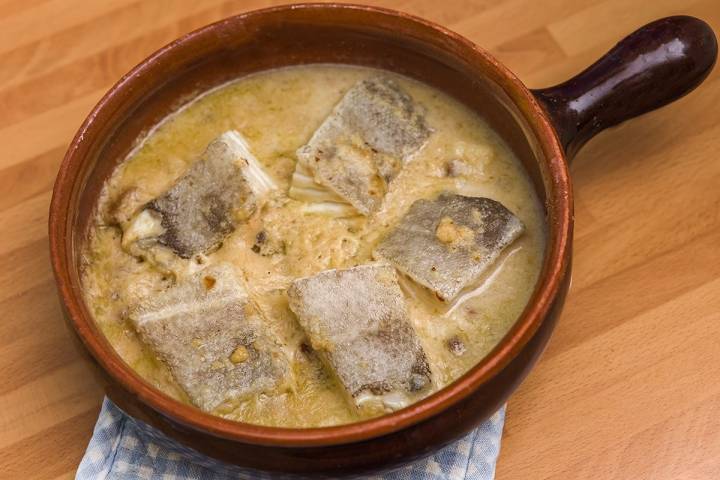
[(277, 112)]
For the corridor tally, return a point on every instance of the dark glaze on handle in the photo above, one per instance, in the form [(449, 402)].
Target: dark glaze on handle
[(655, 65)]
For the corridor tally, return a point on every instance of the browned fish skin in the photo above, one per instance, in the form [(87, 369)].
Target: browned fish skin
[(199, 210), (363, 144), (201, 330), (357, 321), (423, 250)]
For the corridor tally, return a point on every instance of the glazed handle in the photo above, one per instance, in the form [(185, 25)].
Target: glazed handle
[(655, 65)]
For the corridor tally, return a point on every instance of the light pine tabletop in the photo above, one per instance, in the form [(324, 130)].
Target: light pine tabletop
[(629, 387)]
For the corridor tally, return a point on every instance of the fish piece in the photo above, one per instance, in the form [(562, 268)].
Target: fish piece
[(447, 243), (204, 205), (204, 330), (356, 320), (358, 150)]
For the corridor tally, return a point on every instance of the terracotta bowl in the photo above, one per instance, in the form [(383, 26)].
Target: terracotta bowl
[(657, 64)]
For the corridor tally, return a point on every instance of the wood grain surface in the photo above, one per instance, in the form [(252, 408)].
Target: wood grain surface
[(629, 387)]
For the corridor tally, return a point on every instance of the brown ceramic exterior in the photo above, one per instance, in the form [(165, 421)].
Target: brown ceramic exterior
[(308, 34)]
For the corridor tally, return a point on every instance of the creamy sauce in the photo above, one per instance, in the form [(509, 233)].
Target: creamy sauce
[(277, 112)]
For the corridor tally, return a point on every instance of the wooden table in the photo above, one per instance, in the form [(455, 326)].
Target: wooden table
[(629, 387)]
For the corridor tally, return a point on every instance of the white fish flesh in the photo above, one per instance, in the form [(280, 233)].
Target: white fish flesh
[(204, 205), (446, 244), (357, 321), (204, 331), (364, 143)]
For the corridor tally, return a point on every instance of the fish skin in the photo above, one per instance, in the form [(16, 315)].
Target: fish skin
[(357, 321), (364, 143), (199, 210), (414, 248), (195, 326)]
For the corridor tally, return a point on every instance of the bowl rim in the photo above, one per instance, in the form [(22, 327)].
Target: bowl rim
[(558, 198)]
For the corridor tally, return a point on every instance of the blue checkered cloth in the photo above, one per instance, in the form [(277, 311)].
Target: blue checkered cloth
[(124, 448)]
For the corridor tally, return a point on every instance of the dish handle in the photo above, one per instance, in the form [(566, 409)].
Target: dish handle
[(655, 65)]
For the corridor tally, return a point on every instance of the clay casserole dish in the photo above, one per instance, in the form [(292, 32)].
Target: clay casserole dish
[(659, 63)]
